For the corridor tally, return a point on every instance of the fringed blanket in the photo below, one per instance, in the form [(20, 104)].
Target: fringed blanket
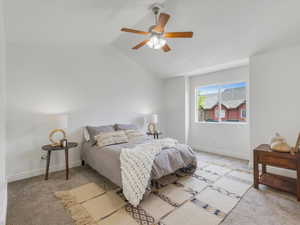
[(136, 166)]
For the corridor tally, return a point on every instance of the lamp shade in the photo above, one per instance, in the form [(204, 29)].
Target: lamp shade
[(58, 121), (154, 118)]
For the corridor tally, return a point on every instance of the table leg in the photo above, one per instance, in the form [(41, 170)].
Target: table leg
[(48, 164), (67, 163), (264, 168), (256, 171), (298, 177)]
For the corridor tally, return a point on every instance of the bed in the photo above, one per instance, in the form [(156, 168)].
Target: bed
[(106, 160)]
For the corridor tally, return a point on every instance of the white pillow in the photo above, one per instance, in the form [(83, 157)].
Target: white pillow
[(120, 137), (134, 134), (110, 138)]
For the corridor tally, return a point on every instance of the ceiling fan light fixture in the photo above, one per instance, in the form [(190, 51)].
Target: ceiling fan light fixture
[(156, 42)]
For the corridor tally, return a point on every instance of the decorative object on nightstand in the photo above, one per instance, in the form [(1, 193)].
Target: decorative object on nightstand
[(50, 148), (152, 126), (297, 146), (264, 155), (58, 135), (279, 144), (155, 134)]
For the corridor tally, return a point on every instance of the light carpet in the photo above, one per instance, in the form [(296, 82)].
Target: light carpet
[(208, 196)]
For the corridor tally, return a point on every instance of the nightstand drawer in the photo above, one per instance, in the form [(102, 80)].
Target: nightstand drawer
[(278, 162)]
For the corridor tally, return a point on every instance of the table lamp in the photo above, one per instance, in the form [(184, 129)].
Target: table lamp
[(152, 127)]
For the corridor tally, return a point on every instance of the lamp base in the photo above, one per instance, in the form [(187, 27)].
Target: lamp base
[(152, 128)]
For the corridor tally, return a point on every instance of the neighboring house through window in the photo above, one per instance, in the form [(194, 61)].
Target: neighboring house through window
[(221, 103)]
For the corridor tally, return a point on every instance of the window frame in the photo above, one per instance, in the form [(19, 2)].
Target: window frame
[(220, 105)]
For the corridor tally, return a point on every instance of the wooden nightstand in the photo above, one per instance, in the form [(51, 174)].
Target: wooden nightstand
[(266, 157), (50, 148)]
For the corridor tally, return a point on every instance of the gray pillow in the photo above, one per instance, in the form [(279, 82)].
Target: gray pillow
[(126, 127), (94, 131)]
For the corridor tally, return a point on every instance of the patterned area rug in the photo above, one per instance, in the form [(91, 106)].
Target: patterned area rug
[(208, 196)]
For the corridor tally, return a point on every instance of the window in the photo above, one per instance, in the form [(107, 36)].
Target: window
[(243, 113), (216, 112), (221, 103), (222, 114)]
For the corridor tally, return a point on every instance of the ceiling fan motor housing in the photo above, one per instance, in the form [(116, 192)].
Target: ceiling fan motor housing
[(152, 31)]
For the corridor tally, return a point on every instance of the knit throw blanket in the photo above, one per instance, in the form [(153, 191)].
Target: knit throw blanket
[(136, 166)]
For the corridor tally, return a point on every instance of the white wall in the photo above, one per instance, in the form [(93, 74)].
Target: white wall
[(226, 139), (274, 91), (3, 185), (175, 108), (93, 84)]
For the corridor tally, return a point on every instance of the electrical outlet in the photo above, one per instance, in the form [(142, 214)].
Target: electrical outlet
[(44, 156)]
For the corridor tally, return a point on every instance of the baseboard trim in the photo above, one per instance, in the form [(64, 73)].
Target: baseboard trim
[(220, 152), (37, 172)]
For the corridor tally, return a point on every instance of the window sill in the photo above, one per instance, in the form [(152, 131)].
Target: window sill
[(219, 123)]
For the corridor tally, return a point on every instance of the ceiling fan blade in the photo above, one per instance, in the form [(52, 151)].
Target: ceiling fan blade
[(134, 31), (178, 34), (166, 48), (140, 44), (162, 21)]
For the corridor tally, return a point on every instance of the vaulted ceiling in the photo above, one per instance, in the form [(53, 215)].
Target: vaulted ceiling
[(224, 31)]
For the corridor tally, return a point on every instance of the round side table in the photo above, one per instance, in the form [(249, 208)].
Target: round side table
[(50, 148)]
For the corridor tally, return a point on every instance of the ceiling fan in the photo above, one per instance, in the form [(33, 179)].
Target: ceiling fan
[(156, 35)]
